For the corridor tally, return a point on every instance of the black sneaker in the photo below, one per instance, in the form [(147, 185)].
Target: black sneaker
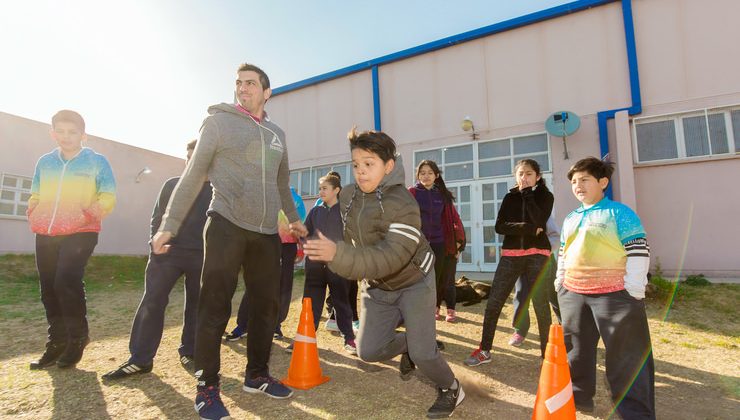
[(235, 334), (585, 406), (73, 353), (50, 356), (447, 400), (406, 366), (125, 370)]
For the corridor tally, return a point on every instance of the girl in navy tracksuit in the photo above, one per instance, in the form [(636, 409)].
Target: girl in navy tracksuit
[(327, 219)]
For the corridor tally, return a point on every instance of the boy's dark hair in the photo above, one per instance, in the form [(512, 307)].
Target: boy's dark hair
[(373, 141), (534, 165), (597, 168), (332, 178), (438, 181), (264, 80), (191, 145), (67, 115)]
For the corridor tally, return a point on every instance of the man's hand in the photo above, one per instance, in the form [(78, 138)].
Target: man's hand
[(298, 229), (322, 249), (159, 242)]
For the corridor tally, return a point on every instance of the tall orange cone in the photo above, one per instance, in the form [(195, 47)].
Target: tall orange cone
[(304, 371), (555, 391)]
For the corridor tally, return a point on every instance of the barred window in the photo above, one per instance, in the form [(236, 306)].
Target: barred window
[(681, 136), (14, 194)]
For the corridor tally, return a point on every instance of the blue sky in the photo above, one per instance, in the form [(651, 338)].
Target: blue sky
[(143, 72)]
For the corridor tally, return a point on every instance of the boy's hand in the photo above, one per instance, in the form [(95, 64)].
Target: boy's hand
[(322, 249), (298, 229), (159, 242)]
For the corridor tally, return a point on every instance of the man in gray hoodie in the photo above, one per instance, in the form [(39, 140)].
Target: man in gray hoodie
[(245, 157)]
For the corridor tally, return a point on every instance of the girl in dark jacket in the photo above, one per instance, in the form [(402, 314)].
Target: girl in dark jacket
[(443, 228), (522, 219), (327, 219)]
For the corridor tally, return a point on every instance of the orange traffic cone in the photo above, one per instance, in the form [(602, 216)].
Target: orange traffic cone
[(304, 371), (555, 391)]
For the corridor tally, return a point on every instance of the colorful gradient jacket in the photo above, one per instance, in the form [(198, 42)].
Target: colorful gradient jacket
[(73, 196)]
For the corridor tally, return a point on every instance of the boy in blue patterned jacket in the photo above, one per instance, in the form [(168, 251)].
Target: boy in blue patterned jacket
[(602, 272)]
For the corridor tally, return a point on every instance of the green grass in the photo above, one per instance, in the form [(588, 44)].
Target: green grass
[(20, 280)]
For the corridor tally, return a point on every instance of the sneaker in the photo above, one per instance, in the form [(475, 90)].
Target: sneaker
[(350, 347), (278, 334), (208, 404), (289, 349), (516, 340), (437, 315), (478, 357), (50, 356), (447, 400), (331, 325), (268, 386), (451, 317), (356, 326), (188, 362), (125, 370), (73, 353), (235, 334), (406, 367)]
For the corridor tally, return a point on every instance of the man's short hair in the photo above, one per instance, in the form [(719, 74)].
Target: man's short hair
[(597, 168), (67, 115), (264, 80), (191, 145)]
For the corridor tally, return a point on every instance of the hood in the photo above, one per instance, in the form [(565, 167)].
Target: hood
[(396, 177), (224, 107)]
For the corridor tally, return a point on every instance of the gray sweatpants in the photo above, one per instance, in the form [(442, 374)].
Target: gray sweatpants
[(381, 312)]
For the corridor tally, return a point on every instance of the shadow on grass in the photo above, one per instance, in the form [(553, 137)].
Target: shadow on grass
[(77, 395)]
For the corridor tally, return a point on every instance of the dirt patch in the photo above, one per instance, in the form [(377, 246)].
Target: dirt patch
[(697, 371)]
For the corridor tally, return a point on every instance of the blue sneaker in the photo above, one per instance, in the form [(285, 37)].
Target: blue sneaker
[(268, 386), (208, 404)]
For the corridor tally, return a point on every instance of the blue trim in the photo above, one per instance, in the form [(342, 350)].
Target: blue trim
[(636, 108), (553, 12), (376, 99)]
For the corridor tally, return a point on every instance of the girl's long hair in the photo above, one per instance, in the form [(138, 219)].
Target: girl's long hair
[(438, 181)]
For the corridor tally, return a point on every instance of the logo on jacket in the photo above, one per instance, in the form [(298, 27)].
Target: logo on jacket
[(275, 144)]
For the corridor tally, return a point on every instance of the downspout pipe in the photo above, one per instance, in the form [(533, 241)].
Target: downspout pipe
[(636, 108), (376, 98)]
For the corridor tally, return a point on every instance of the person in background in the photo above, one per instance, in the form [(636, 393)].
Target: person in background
[(522, 219), (443, 228), (601, 278), (73, 189), (185, 258), (522, 293)]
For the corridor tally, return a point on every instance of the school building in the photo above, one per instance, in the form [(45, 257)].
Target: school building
[(139, 175), (654, 82)]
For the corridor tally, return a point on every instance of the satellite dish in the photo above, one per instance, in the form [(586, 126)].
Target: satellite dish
[(563, 124)]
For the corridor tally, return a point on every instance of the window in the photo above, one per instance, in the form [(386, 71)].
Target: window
[(707, 132), (306, 180), (14, 194), (490, 158)]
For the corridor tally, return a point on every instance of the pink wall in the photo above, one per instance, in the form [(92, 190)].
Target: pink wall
[(510, 82), (126, 230), (708, 239)]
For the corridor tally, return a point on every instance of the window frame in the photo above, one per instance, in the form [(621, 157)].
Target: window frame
[(680, 140), (18, 192), (347, 177)]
